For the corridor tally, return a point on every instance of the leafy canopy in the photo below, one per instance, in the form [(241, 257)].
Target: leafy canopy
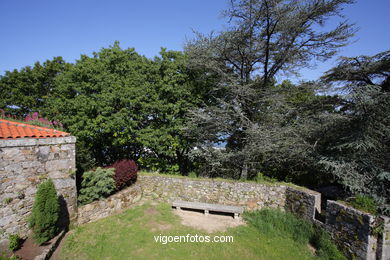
[(358, 148), (27, 90), (265, 38), (120, 104)]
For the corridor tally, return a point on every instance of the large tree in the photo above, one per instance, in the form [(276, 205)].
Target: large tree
[(177, 92), (358, 142), (120, 104), (265, 38), (289, 137), (27, 90)]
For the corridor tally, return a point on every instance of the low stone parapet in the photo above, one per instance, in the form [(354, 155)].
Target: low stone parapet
[(114, 204)]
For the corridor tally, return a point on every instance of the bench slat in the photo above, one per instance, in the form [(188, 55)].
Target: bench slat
[(208, 206)]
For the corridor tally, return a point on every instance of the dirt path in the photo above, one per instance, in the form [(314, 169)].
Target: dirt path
[(56, 253), (210, 223)]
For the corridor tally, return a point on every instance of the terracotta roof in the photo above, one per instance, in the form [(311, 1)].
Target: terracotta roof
[(14, 130)]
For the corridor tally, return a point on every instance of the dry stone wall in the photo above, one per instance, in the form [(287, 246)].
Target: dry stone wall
[(251, 196), (354, 231), (360, 234), (24, 163), (107, 207), (304, 203)]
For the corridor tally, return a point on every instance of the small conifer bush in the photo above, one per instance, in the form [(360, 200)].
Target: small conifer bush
[(45, 212), (96, 185), (125, 173)]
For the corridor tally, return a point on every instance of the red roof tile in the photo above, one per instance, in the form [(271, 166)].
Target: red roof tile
[(13, 130)]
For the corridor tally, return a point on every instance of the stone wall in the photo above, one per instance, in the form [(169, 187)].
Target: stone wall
[(249, 195), (26, 162), (304, 203), (107, 207), (383, 251), (360, 235), (167, 189), (353, 230)]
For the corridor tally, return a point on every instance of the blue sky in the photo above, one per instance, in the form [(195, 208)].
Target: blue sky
[(38, 30)]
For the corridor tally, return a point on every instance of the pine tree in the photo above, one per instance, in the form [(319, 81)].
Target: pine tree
[(264, 39)]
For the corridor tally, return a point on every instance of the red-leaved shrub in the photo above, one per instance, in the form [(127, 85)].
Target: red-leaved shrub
[(125, 173)]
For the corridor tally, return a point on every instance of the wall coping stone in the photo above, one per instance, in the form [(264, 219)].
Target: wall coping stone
[(220, 180), (351, 208), (37, 141)]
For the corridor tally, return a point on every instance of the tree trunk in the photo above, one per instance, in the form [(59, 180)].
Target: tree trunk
[(244, 171)]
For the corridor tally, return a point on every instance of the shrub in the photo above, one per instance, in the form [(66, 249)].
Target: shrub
[(7, 200), (365, 203), (277, 223), (261, 178), (125, 173), (45, 212), (96, 185), (326, 249), (3, 256), (269, 221), (14, 242)]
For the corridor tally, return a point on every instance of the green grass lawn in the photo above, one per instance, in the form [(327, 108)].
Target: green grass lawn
[(130, 235)]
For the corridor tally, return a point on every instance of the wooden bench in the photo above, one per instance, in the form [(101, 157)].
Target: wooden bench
[(208, 207)]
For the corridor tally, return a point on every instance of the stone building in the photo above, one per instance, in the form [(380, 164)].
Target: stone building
[(28, 155)]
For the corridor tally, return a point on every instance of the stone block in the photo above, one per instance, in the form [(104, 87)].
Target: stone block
[(56, 165)]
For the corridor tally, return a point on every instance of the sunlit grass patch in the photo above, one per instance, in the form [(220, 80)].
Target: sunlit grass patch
[(131, 235)]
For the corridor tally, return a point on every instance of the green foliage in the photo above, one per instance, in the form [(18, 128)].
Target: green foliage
[(4, 257), (365, 203), (158, 165), (326, 249), (117, 235), (379, 227), (264, 39), (45, 212), (269, 220), (283, 141), (120, 104), (358, 142), (7, 200), (260, 177), (96, 185), (192, 175), (14, 242), (28, 89), (278, 223)]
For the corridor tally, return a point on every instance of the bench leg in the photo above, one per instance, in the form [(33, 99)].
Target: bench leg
[(206, 212), (178, 208), (236, 216)]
